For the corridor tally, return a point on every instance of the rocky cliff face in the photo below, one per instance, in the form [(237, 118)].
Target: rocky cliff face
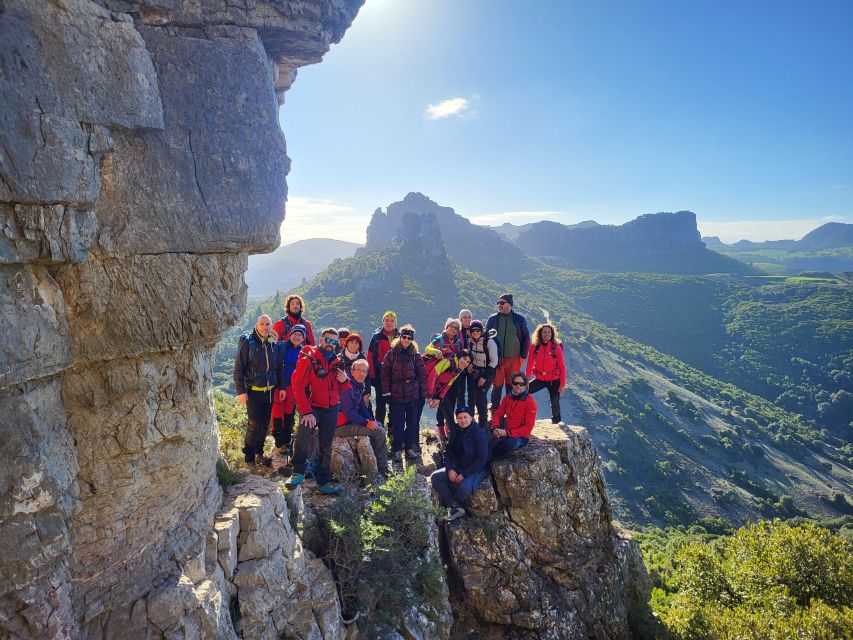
[(140, 160), (540, 557), (472, 246)]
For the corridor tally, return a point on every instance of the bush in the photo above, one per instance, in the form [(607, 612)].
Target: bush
[(379, 554), (769, 580)]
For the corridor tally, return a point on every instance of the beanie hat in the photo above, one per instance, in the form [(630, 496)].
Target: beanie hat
[(507, 297), (464, 410), (476, 324), (389, 313), (299, 328), (343, 333), (407, 332)]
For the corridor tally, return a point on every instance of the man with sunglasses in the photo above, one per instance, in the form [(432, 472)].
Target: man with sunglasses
[(317, 383), (513, 339), (513, 422)]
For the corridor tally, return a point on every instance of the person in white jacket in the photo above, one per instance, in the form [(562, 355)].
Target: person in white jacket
[(481, 373)]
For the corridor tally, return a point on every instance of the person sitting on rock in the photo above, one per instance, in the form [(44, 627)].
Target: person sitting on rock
[(545, 361), (379, 346), (444, 381), (258, 380), (317, 383), (294, 307), (465, 460), (513, 421), (284, 410), (484, 361), (404, 385), (356, 418)]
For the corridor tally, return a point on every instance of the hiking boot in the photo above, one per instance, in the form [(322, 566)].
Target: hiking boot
[(412, 455), (263, 461), (397, 456), (455, 513), (295, 480), (328, 489)]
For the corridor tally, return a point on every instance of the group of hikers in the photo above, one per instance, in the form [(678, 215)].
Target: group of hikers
[(471, 374)]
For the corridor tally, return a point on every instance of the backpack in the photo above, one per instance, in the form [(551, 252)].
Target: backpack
[(252, 347), (287, 325)]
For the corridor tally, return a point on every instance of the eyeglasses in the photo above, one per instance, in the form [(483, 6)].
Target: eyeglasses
[(359, 370), (519, 384), (502, 303), (406, 338), (331, 341), (476, 331)]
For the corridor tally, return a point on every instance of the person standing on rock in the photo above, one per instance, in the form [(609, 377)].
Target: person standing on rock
[(513, 422), (444, 382), (258, 379), (404, 385), (484, 361), (463, 398), (379, 346), (294, 307), (513, 338), (356, 418), (465, 460), (547, 366), (284, 410), (317, 383)]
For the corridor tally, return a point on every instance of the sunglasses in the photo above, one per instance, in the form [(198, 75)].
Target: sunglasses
[(502, 303), (406, 338), (518, 384), (476, 330), (331, 341)]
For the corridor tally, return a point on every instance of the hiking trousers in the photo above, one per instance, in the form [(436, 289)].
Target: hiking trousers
[(381, 404), (502, 447), (258, 410), (404, 425), (507, 367), (327, 420), (553, 387), (452, 493)]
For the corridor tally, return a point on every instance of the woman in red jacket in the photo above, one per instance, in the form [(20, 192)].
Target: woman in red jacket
[(518, 411), (548, 368)]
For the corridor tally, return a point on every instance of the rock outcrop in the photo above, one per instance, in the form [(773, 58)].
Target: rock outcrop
[(140, 161), (538, 556)]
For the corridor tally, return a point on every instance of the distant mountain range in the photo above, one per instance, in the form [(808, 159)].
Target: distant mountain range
[(291, 264), (658, 243), (829, 248), (832, 235), (512, 231)]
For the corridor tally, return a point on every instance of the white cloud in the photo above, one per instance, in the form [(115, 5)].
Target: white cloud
[(307, 217), (516, 217), (759, 230), (459, 107)]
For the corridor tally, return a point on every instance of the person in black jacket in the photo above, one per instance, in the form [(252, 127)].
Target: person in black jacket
[(258, 376), (464, 464), (513, 339)]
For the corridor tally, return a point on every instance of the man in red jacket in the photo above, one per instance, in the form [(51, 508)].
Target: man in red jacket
[(317, 382), (518, 410)]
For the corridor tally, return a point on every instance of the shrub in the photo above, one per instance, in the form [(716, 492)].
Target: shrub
[(378, 553)]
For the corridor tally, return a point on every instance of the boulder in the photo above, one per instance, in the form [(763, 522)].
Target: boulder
[(538, 557), (353, 459)]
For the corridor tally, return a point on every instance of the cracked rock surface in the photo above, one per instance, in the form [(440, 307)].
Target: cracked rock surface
[(538, 556), (141, 161)]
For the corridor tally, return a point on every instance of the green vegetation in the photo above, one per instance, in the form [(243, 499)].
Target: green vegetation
[(377, 554), (793, 261), (768, 580)]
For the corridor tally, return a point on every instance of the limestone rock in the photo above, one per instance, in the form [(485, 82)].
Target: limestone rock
[(140, 161), (353, 458), (543, 561)]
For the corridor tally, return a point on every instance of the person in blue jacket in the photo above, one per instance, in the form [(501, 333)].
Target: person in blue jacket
[(356, 419), (465, 461)]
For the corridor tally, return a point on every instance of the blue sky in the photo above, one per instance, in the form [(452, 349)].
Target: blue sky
[(514, 111)]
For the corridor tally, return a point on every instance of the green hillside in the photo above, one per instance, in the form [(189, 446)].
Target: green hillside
[(679, 444)]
